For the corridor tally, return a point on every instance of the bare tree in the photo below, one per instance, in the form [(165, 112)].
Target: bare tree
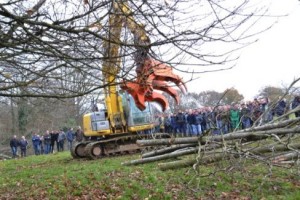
[(41, 40), (56, 49)]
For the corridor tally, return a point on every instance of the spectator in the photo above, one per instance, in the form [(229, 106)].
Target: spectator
[(14, 143), (190, 121), (197, 123), (256, 112), (296, 103), (174, 124), (180, 121), (167, 124), (267, 115), (245, 116), (204, 119), (79, 134), (218, 120), (161, 121), (23, 146), (36, 144), (54, 137), (157, 122), (225, 122), (209, 118), (70, 138), (234, 117), (61, 140), (47, 142), (212, 120), (280, 108), (41, 144)]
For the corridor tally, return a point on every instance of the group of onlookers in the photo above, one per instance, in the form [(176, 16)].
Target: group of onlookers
[(224, 118), (14, 143), (220, 119), (45, 144)]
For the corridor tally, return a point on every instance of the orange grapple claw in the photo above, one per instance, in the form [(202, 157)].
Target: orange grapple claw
[(154, 75), (158, 98), (134, 90), (163, 86)]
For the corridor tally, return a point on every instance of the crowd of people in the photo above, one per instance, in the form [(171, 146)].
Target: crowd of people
[(46, 143), (224, 119), (192, 122)]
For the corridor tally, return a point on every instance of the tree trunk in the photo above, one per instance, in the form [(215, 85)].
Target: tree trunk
[(275, 125), (274, 148), (288, 156), (162, 157), (191, 162), (166, 150), (250, 136)]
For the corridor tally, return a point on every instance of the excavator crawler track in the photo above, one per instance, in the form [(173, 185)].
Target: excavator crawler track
[(110, 147)]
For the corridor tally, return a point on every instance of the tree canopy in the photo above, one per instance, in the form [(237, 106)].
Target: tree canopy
[(55, 48)]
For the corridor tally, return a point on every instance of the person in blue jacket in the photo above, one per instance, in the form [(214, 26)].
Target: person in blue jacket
[(36, 144)]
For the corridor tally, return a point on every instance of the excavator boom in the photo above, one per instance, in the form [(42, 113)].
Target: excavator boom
[(127, 115)]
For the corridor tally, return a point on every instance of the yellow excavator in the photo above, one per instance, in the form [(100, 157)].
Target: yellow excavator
[(128, 114)]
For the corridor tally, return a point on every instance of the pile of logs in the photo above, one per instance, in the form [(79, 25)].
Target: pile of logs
[(5, 152), (4, 157), (276, 142)]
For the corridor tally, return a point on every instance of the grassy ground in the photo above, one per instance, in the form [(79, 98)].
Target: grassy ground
[(58, 176)]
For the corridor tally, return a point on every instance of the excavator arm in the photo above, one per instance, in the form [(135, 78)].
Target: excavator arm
[(152, 75)]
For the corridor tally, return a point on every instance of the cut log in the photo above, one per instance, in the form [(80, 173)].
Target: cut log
[(3, 156), (166, 150), (280, 124), (191, 162), (177, 164), (249, 136), (274, 148), (171, 141), (162, 157), (293, 155)]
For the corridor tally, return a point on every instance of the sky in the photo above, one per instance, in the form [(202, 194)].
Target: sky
[(272, 61)]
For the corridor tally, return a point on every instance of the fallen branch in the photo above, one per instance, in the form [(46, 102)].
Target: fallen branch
[(162, 157), (257, 135), (274, 148), (191, 162), (285, 157), (276, 124), (166, 150), (5, 156)]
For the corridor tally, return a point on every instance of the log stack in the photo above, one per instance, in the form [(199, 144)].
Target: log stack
[(276, 142)]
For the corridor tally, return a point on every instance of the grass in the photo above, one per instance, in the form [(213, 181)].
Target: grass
[(58, 176)]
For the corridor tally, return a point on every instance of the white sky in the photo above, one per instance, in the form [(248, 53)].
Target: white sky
[(272, 61)]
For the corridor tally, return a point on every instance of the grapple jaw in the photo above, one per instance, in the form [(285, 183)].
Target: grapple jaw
[(153, 75)]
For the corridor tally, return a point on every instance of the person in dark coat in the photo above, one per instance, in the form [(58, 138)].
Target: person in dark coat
[(14, 143), (79, 134), (23, 146), (280, 108), (54, 137), (181, 122), (70, 138), (295, 104)]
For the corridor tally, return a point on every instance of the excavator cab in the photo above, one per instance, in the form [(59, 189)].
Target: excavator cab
[(98, 124), (137, 120)]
